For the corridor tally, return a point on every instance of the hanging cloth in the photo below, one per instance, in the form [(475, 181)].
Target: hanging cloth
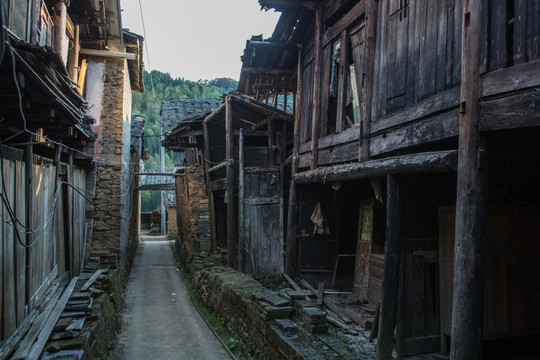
[(320, 225)]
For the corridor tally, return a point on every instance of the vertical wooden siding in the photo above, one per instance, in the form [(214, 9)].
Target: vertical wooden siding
[(418, 53), (47, 254)]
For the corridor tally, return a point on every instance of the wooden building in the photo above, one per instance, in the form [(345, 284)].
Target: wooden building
[(244, 150), (416, 148), (47, 150)]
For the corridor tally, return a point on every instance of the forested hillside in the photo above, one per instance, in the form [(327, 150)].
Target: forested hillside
[(162, 86)]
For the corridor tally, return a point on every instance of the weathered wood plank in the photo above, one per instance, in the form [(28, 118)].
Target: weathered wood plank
[(520, 32), (325, 90), (413, 163), (449, 42), (39, 317), (514, 112), (379, 79), (242, 236), (14, 342), (440, 74), (92, 279), (514, 78), (8, 251), (456, 42), (533, 30), (20, 213), (439, 127), (397, 61), (304, 160), (291, 243), (339, 154), (497, 35), (428, 53), (316, 87), (29, 202), (231, 206), (347, 20), (437, 103), (471, 202), (48, 327), (367, 78)]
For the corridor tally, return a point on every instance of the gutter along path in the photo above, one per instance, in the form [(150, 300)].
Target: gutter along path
[(160, 321)]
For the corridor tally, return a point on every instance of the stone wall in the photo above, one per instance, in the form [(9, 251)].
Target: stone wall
[(192, 209), (114, 189), (88, 325), (267, 324)]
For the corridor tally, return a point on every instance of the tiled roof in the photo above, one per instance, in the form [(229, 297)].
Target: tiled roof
[(174, 111)]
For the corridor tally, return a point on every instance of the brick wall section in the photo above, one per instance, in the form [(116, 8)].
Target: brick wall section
[(191, 202), (112, 193), (107, 209)]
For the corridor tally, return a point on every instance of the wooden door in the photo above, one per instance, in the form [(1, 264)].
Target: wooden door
[(260, 223)]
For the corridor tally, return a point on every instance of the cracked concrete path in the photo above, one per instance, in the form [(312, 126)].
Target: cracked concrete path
[(160, 321)]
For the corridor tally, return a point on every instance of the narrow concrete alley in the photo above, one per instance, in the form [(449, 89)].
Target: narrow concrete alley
[(160, 321)]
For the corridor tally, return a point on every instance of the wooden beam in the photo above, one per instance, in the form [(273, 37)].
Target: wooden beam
[(156, 187), (92, 279), (469, 254), (221, 165), (265, 70), (440, 161), (156, 174), (291, 242), (214, 114), (60, 18), (207, 158), (231, 208), (284, 87), (316, 87), (73, 59), (390, 283), (271, 45), (108, 54), (510, 79), (29, 186), (243, 258), (350, 17)]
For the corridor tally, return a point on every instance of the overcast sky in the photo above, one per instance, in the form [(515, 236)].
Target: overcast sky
[(197, 39)]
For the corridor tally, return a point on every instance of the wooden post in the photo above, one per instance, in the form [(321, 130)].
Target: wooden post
[(290, 245), (316, 88), (231, 208), (271, 140), (70, 218), (369, 63), (29, 169), (469, 251), (56, 163), (390, 285), (241, 240), (207, 164), (73, 59), (60, 18)]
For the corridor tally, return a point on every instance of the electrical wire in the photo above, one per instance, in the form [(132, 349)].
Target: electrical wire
[(21, 111), (147, 52)]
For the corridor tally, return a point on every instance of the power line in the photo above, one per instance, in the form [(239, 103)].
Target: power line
[(147, 52)]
